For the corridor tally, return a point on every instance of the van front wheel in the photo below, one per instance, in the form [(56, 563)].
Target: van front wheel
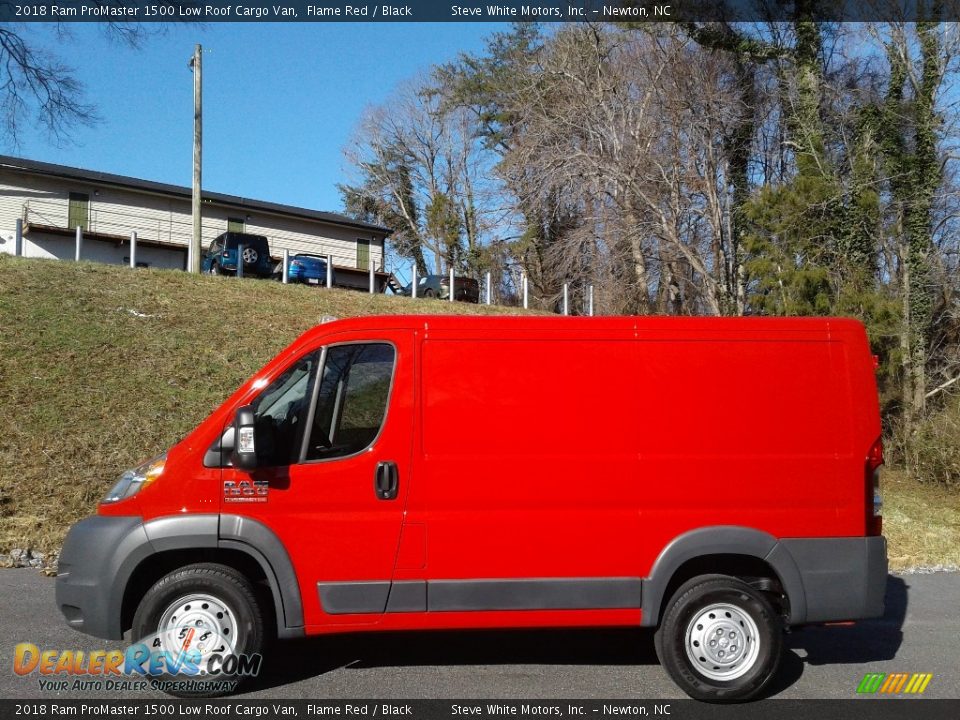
[(203, 629), (719, 639)]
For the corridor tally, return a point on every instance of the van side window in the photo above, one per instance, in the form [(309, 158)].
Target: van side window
[(281, 413), (352, 399)]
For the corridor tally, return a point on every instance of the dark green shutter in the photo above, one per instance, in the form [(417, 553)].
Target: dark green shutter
[(79, 213), (363, 254)]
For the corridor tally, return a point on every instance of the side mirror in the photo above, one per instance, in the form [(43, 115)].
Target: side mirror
[(244, 450)]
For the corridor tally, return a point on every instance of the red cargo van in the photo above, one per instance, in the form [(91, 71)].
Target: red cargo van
[(715, 479)]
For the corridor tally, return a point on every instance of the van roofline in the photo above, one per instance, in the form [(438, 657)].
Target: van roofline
[(560, 322)]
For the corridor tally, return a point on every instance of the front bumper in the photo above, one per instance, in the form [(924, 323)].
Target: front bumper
[(97, 552), (842, 578)]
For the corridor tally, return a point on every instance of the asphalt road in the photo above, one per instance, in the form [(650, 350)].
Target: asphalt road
[(919, 633)]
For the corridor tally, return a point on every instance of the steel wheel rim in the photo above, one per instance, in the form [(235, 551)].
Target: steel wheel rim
[(722, 642), (249, 255), (212, 621)]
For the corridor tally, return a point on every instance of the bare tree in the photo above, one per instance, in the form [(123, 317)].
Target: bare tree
[(419, 170), (627, 129), (37, 87)]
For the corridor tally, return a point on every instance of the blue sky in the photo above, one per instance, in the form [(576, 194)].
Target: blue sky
[(280, 100)]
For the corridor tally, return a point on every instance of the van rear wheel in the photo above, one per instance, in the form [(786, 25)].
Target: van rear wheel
[(199, 616), (719, 639)]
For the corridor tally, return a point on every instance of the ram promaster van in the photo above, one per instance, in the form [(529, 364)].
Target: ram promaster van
[(713, 479)]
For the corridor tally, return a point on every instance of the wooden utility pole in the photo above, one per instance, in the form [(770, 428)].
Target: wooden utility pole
[(196, 64)]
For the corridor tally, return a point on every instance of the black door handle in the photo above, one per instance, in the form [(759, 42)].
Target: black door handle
[(386, 480)]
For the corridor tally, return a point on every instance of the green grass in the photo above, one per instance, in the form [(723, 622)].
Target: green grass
[(102, 367)]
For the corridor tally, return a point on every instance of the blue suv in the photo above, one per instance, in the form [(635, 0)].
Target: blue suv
[(224, 253)]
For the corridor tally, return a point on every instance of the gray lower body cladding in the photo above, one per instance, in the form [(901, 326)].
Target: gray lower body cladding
[(95, 551), (101, 553), (843, 578), (480, 595), (825, 579)]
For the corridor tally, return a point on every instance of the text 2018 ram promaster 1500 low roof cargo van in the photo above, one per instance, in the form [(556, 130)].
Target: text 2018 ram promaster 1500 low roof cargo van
[(715, 479)]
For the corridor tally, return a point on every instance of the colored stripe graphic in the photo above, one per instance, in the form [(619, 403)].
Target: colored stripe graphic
[(894, 683), (922, 680), (870, 683)]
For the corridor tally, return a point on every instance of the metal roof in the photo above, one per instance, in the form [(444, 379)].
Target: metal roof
[(178, 191)]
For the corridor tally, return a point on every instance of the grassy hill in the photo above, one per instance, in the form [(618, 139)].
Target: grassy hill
[(102, 367)]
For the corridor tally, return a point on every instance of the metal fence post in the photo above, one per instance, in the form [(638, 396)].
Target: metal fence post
[(79, 243), (526, 291), (451, 285), (239, 261), (488, 288), (566, 299), (590, 301), (18, 239), (133, 249), (371, 276), (286, 266), (329, 271)]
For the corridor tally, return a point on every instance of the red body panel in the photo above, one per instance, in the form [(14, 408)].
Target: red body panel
[(558, 448)]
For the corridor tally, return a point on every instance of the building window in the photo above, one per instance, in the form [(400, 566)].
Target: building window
[(235, 224), (363, 254), (79, 212)]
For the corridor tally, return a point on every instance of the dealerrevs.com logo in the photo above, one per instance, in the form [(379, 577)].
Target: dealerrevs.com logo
[(182, 659), (894, 683)]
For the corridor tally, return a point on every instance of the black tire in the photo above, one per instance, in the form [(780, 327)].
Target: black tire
[(225, 585), (428, 293), (698, 676)]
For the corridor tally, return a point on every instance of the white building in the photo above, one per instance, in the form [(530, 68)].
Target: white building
[(52, 200)]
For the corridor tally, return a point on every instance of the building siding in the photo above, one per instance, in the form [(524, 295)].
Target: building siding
[(42, 200)]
